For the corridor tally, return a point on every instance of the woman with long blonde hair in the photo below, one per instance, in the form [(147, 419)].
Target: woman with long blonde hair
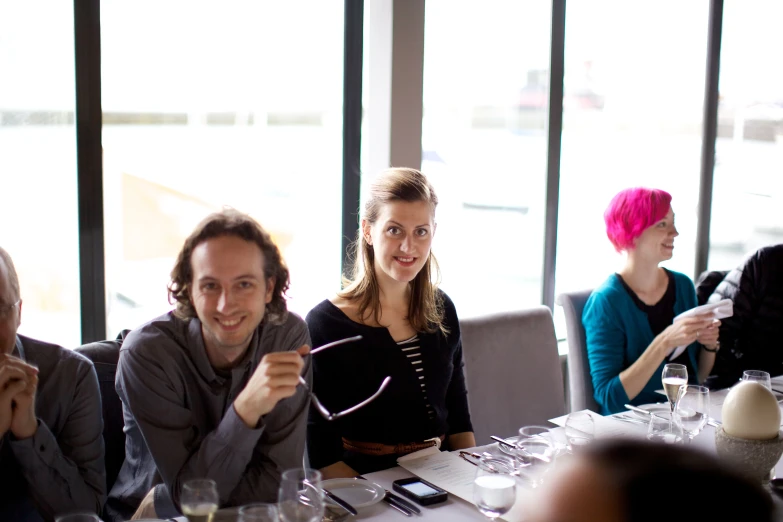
[(410, 332)]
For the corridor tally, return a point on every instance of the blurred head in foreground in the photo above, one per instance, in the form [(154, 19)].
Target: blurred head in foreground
[(639, 481)]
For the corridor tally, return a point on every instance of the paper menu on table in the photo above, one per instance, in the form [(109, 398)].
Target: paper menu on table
[(609, 427), (445, 470), (720, 310), (456, 475)]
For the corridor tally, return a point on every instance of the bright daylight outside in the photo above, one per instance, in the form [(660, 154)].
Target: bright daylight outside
[(208, 104)]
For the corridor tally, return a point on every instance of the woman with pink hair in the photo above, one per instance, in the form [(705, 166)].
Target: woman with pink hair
[(628, 320)]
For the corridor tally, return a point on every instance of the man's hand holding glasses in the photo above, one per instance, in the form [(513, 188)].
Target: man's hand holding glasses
[(277, 377)]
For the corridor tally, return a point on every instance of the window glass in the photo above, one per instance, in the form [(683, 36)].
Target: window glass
[(206, 105), (748, 186), (485, 101), (38, 165)]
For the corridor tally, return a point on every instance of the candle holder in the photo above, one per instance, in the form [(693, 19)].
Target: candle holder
[(752, 458)]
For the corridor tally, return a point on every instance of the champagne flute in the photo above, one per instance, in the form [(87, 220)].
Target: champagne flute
[(693, 409), (664, 428), (579, 429), (199, 500), (494, 487), (674, 376), (759, 376), (301, 498)]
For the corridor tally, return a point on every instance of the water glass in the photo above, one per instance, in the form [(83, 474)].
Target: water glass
[(579, 429), (301, 498), (260, 512), (494, 487), (673, 377), (693, 409), (199, 499), (663, 427), (758, 376), (78, 517)]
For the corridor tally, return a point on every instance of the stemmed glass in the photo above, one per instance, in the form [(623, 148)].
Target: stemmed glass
[(674, 376), (664, 428), (259, 512), (494, 487), (199, 499), (301, 496), (693, 409), (759, 376), (579, 429)]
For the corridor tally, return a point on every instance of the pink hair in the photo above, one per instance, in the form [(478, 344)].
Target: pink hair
[(631, 212)]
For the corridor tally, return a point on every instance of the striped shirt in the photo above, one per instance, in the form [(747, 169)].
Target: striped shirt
[(411, 348)]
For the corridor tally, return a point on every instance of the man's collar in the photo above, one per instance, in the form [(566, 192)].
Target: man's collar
[(18, 350), (199, 350)]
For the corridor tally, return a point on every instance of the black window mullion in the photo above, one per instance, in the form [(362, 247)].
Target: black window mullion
[(709, 135), (89, 154), (554, 143), (352, 122)]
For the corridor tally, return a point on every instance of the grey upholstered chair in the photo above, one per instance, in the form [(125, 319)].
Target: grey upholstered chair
[(580, 384), (104, 356), (512, 369)]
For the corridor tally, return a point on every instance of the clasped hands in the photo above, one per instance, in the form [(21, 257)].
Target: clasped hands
[(18, 384)]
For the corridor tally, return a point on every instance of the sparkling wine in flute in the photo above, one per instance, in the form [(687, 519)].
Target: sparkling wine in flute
[(199, 512), (671, 385)]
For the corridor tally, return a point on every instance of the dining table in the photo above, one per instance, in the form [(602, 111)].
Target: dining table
[(456, 509)]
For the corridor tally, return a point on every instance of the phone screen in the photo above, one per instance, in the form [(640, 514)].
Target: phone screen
[(420, 489)]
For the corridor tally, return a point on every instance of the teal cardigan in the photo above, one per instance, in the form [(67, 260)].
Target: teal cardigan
[(618, 332)]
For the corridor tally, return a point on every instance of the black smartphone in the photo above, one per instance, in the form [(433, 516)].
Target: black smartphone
[(420, 491)]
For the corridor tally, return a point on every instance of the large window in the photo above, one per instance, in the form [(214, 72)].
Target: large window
[(38, 165), (748, 188), (634, 85), (205, 105), (484, 148)]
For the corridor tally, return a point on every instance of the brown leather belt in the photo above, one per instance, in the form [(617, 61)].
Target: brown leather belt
[(374, 448)]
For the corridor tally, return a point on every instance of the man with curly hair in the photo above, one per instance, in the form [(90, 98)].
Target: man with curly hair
[(209, 390)]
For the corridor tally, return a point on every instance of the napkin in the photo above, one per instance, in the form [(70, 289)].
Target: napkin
[(722, 309)]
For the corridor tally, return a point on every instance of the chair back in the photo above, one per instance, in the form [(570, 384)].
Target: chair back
[(512, 369), (580, 383), (104, 356)]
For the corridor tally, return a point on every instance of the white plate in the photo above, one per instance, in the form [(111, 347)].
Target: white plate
[(652, 408), (357, 492)]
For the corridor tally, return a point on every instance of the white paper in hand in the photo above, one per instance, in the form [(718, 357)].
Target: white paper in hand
[(719, 310)]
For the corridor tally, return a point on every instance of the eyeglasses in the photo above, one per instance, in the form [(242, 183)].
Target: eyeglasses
[(326, 414), (5, 311)]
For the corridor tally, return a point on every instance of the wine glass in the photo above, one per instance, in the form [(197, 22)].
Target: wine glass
[(693, 409), (759, 376), (664, 428), (579, 429), (301, 498), (199, 499), (674, 376), (78, 517), (494, 487), (259, 512)]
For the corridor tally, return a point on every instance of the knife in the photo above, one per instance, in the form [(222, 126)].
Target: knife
[(637, 410), (523, 451), (399, 508), (710, 422), (340, 502), (396, 501)]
